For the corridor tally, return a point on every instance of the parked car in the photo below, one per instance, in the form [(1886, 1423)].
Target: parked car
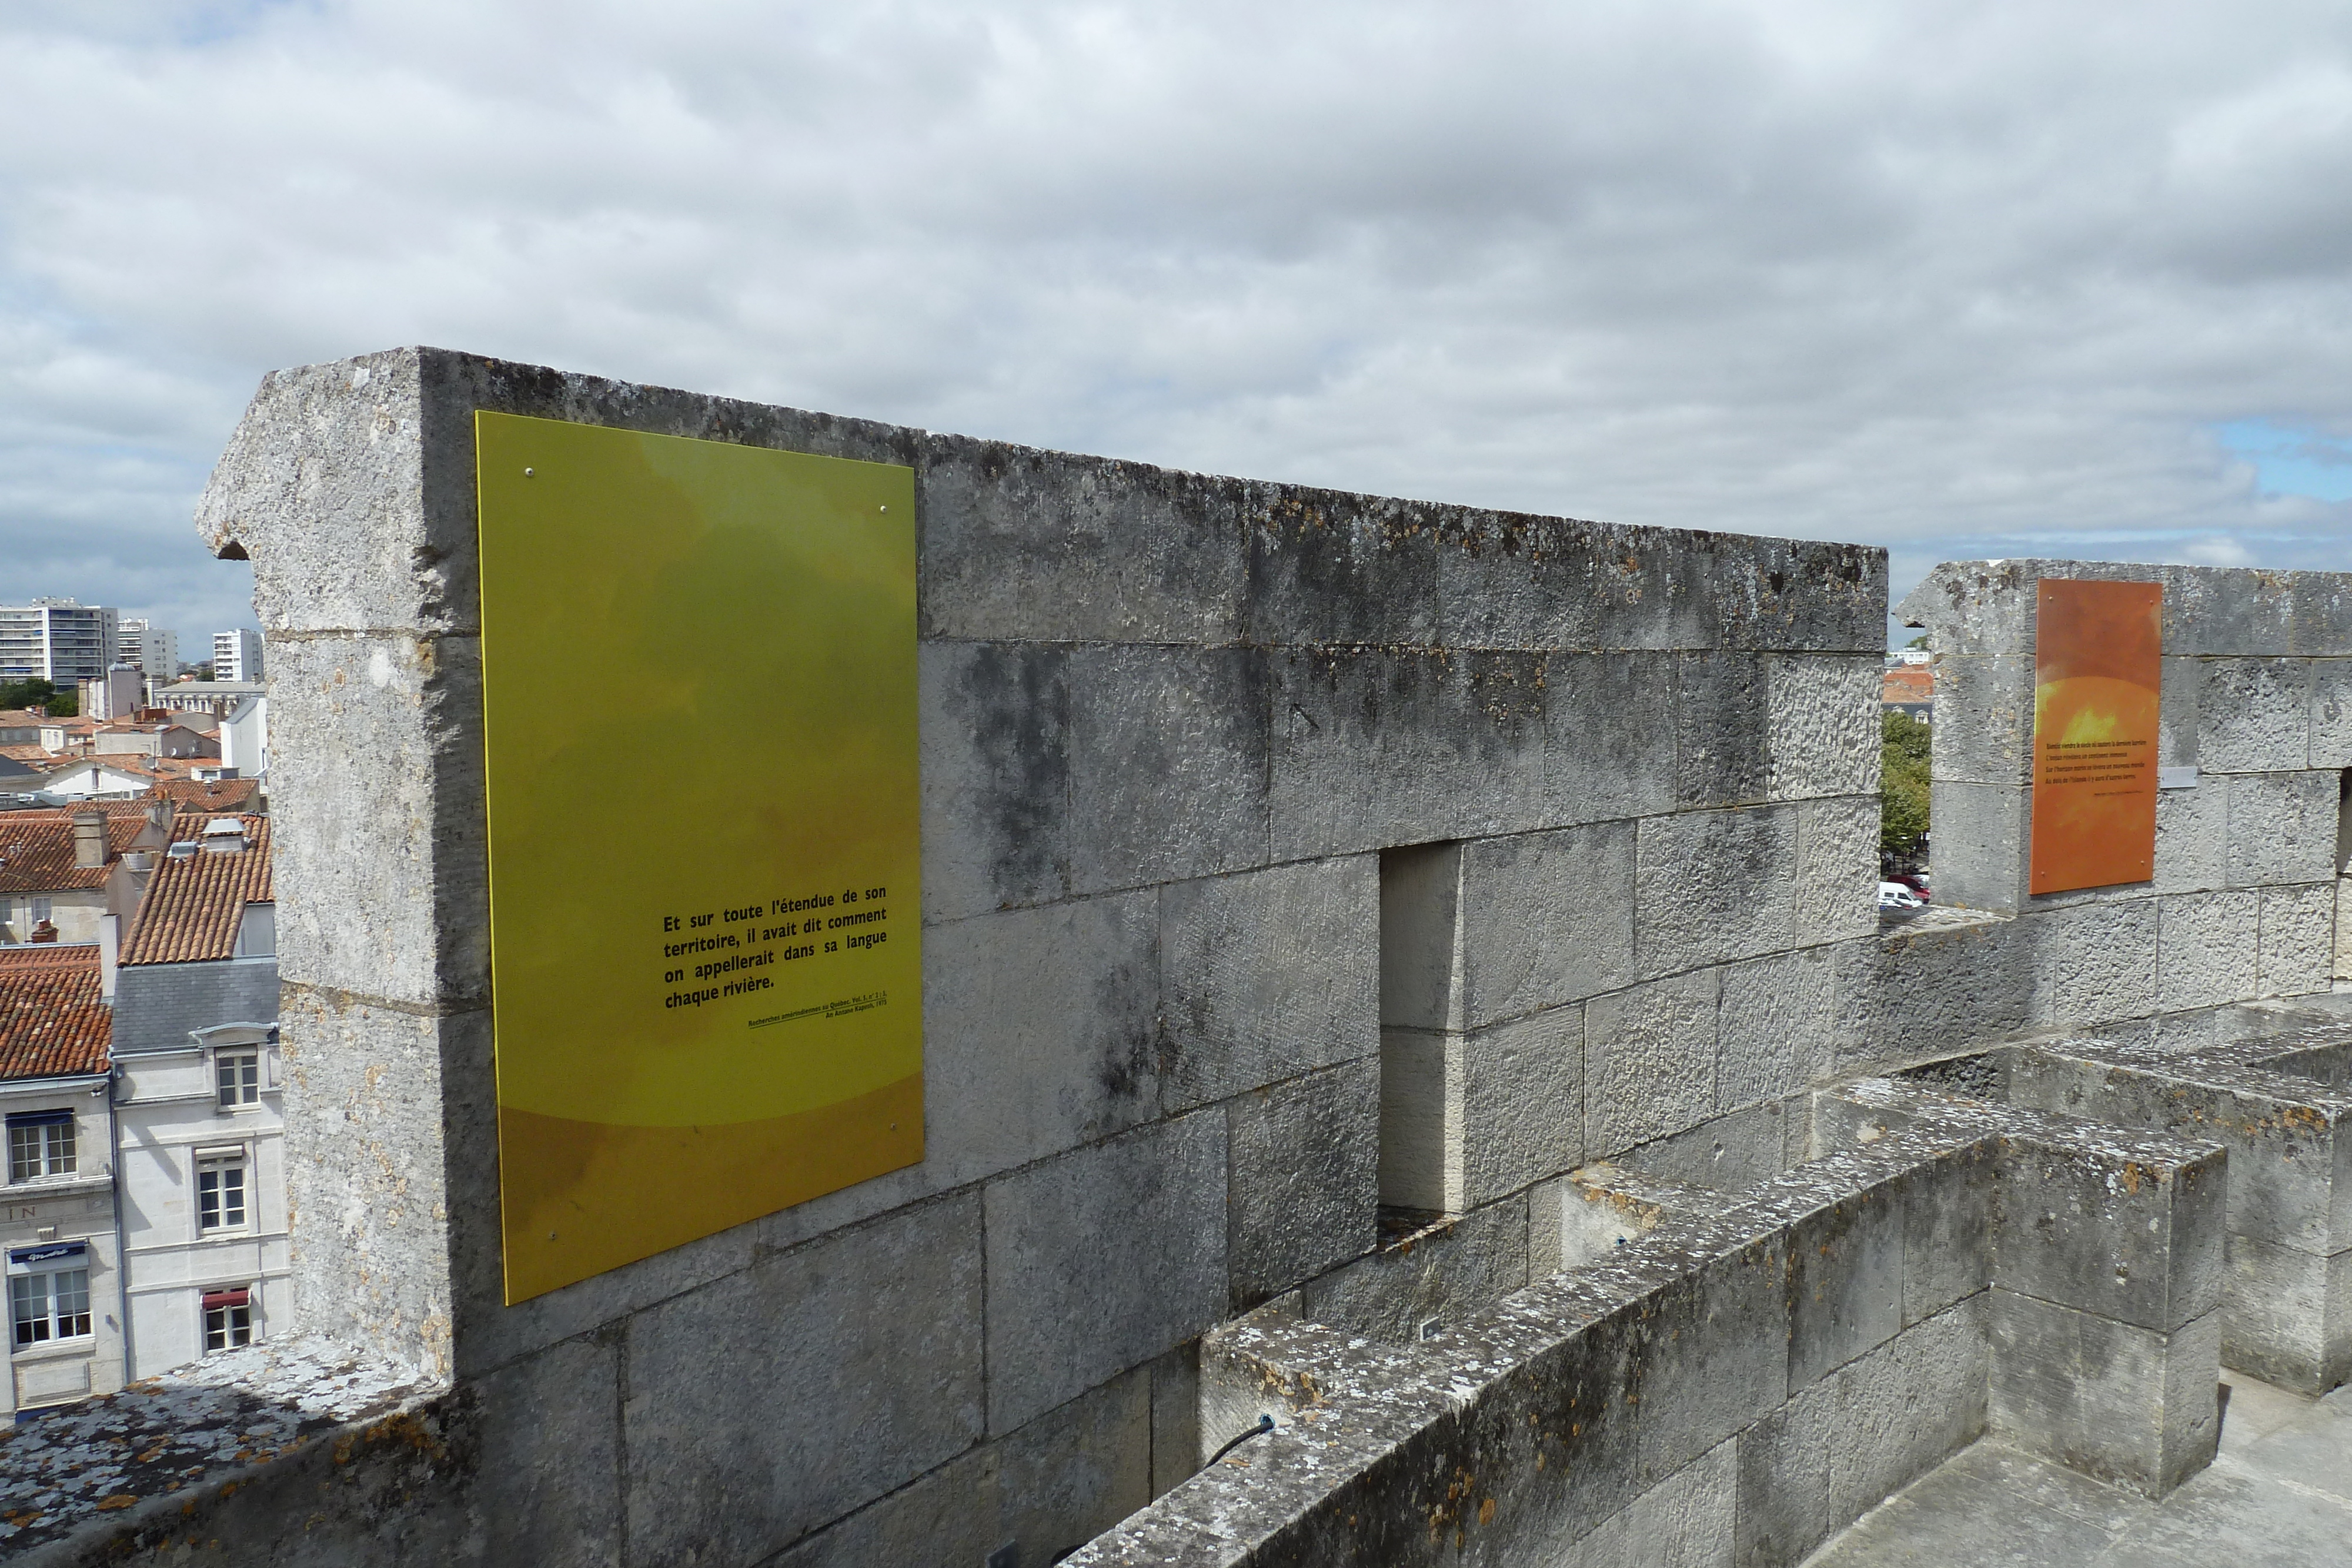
[(1916, 881), (1895, 895)]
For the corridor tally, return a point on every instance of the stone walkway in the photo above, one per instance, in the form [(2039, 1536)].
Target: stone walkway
[(2279, 1493)]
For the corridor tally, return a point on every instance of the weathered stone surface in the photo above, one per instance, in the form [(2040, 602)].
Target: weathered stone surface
[(1945, 976), (1023, 545), (1547, 918), (2192, 837), (2331, 713), (1443, 1273), (1373, 747), (1835, 896), (1076, 1470), (1332, 567), (1821, 725), (1176, 1451), (1421, 1120), (884, 1319), (2137, 1242), (1711, 886), (1649, 1061), (2298, 939), (2282, 828), (1305, 1163), (1078, 1289), (2288, 1318), (996, 776), (2092, 963), (1039, 1028), (1984, 719), (1906, 1406), (1716, 1356), (1609, 750), (1982, 835), (1845, 1282), (1268, 974), (1948, 1227), (2206, 948), (1784, 1482), (947, 1515), (1728, 1154), (1722, 744), (1522, 1103), (1688, 1518), (550, 1488), (1777, 1028), (2104, 1397), (1168, 766), (2254, 715), (386, 897)]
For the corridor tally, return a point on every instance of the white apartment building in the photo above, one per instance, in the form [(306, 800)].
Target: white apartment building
[(56, 1211), (153, 650), (60, 641), (237, 655)]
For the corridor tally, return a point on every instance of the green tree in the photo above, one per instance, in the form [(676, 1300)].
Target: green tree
[(37, 693), (1901, 782)]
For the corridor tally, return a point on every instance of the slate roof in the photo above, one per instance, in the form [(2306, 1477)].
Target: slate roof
[(37, 849), (194, 903), (52, 1023)]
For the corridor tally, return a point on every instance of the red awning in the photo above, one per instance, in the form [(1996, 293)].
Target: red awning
[(236, 1298)]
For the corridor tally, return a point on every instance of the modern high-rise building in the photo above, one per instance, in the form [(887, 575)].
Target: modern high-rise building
[(155, 650), (237, 655), (60, 641)]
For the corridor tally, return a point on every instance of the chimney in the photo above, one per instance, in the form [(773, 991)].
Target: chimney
[(90, 839)]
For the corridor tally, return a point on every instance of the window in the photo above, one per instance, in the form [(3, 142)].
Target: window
[(237, 1075), (40, 1143), (228, 1318), (220, 1192), (48, 1293)]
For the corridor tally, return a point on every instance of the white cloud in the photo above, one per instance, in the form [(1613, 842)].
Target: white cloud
[(1960, 279)]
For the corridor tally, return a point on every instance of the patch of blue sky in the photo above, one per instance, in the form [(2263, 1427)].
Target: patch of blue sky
[(2290, 462)]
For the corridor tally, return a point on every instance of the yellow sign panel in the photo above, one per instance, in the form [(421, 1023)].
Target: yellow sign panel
[(2098, 676), (698, 702)]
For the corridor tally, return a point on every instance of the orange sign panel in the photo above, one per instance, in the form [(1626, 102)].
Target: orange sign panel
[(2098, 671)]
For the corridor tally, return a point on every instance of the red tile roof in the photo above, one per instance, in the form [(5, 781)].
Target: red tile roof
[(193, 904), (52, 1023), (1908, 684), (37, 849), (222, 795)]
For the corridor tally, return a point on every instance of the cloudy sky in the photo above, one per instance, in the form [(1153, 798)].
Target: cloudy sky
[(1962, 279)]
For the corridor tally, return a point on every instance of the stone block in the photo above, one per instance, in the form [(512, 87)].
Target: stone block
[(1522, 1104), (1784, 1482), (1722, 717), (1687, 1518), (2179, 700), (1421, 1120), (1947, 1224), (1713, 887), (1609, 750), (2321, 617), (1835, 896), (1716, 1355), (2331, 713), (1168, 764), (2287, 1315), (1445, 1272), (2113, 1234), (384, 893), (1729, 1153), (1025, 545), (2207, 945), (1903, 1408), (2192, 837), (1332, 567), (884, 1319), (2282, 828), (1304, 1165), (1421, 937), (1649, 1061), (1845, 1281), (1984, 719), (1076, 1470), (2230, 611), (947, 1516), (2254, 715), (1945, 976), (996, 776), (1039, 1030), (1776, 1030), (2343, 929), (1510, 581), (2092, 963), (1176, 1451), (1546, 918), (1268, 974), (1373, 747), (549, 1487), (2120, 1403), (1101, 1260), (2298, 939), (1982, 835)]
